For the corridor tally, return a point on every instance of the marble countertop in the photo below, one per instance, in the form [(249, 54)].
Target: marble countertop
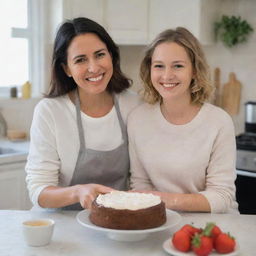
[(71, 238)]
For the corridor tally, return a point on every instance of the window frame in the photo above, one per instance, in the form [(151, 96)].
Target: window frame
[(34, 34)]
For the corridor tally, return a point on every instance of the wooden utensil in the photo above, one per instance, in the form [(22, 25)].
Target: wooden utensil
[(231, 94), (217, 99)]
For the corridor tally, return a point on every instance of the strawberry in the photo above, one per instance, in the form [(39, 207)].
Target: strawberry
[(215, 232), (212, 230), (224, 243), (181, 241), (191, 230), (202, 245)]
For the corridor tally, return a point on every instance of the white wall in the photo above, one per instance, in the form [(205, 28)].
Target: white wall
[(241, 59), (131, 57), (18, 113)]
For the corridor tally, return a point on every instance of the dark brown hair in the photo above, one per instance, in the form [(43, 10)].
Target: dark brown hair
[(60, 82), (200, 86)]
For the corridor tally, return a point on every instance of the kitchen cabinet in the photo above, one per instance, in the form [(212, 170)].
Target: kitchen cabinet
[(125, 21), (92, 9), (136, 22), (13, 191), (198, 16)]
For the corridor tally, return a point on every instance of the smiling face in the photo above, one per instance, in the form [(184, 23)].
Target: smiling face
[(89, 63), (171, 71)]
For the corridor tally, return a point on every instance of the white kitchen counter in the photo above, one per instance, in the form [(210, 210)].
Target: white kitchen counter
[(70, 238), (22, 148)]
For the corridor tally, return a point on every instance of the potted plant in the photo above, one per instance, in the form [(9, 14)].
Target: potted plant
[(232, 30)]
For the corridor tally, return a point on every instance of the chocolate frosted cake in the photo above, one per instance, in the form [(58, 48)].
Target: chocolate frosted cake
[(128, 211)]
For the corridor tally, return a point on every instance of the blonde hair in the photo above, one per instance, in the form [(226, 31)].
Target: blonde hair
[(200, 87)]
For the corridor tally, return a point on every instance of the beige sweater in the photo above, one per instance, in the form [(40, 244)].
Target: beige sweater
[(198, 157)]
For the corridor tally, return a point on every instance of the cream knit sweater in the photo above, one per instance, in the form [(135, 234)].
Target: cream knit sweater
[(198, 157)]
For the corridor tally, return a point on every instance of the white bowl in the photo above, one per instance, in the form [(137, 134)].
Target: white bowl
[(38, 232)]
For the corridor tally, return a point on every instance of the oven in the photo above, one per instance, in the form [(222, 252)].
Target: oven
[(246, 173), (246, 162), (246, 191)]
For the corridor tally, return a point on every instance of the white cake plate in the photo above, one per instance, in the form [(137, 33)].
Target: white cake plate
[(173, 218)]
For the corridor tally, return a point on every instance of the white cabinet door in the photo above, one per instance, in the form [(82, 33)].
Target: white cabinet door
[(197, 16), (173, 13), (13, 192), (127, 21), (92, 9)]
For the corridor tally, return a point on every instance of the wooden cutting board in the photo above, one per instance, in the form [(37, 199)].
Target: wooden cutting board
[(231, 94), (217, 98)]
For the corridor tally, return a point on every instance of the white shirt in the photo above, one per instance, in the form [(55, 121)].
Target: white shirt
[(98, 130)]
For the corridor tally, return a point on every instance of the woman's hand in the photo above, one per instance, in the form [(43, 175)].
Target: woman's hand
[(164, 196), (194, 202), (88, 192)]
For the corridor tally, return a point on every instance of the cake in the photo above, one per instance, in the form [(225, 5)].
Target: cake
[(128, 211)]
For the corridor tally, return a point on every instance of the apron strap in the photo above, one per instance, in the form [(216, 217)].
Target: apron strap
[(79, 122), (120, 119)]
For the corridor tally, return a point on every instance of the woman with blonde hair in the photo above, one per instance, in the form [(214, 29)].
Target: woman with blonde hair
[(181, 147)]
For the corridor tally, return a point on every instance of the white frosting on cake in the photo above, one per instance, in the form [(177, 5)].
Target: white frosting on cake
[(128, 200)]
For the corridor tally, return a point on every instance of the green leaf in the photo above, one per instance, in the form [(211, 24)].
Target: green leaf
[(232, 30)]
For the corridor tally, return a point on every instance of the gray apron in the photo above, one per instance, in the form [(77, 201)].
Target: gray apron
[(109, 168)]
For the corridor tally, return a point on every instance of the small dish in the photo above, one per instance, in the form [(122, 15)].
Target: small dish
[(173, 218), (169, 248), (38, 232)]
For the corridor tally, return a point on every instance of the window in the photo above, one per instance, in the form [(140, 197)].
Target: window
[(14, 44), (27, 32), (21, 45)]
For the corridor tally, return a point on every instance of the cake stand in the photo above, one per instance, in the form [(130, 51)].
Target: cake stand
[(172, 219)]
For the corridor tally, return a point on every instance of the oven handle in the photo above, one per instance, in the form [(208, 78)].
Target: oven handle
[(245, 173)]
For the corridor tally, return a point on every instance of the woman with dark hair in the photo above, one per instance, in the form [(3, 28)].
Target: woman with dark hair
[(182, 148), (79, 145)]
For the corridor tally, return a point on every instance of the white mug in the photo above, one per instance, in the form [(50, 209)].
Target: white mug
[(38, 232)]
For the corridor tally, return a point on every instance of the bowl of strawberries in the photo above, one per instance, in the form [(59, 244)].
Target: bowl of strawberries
[(210, 240)]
